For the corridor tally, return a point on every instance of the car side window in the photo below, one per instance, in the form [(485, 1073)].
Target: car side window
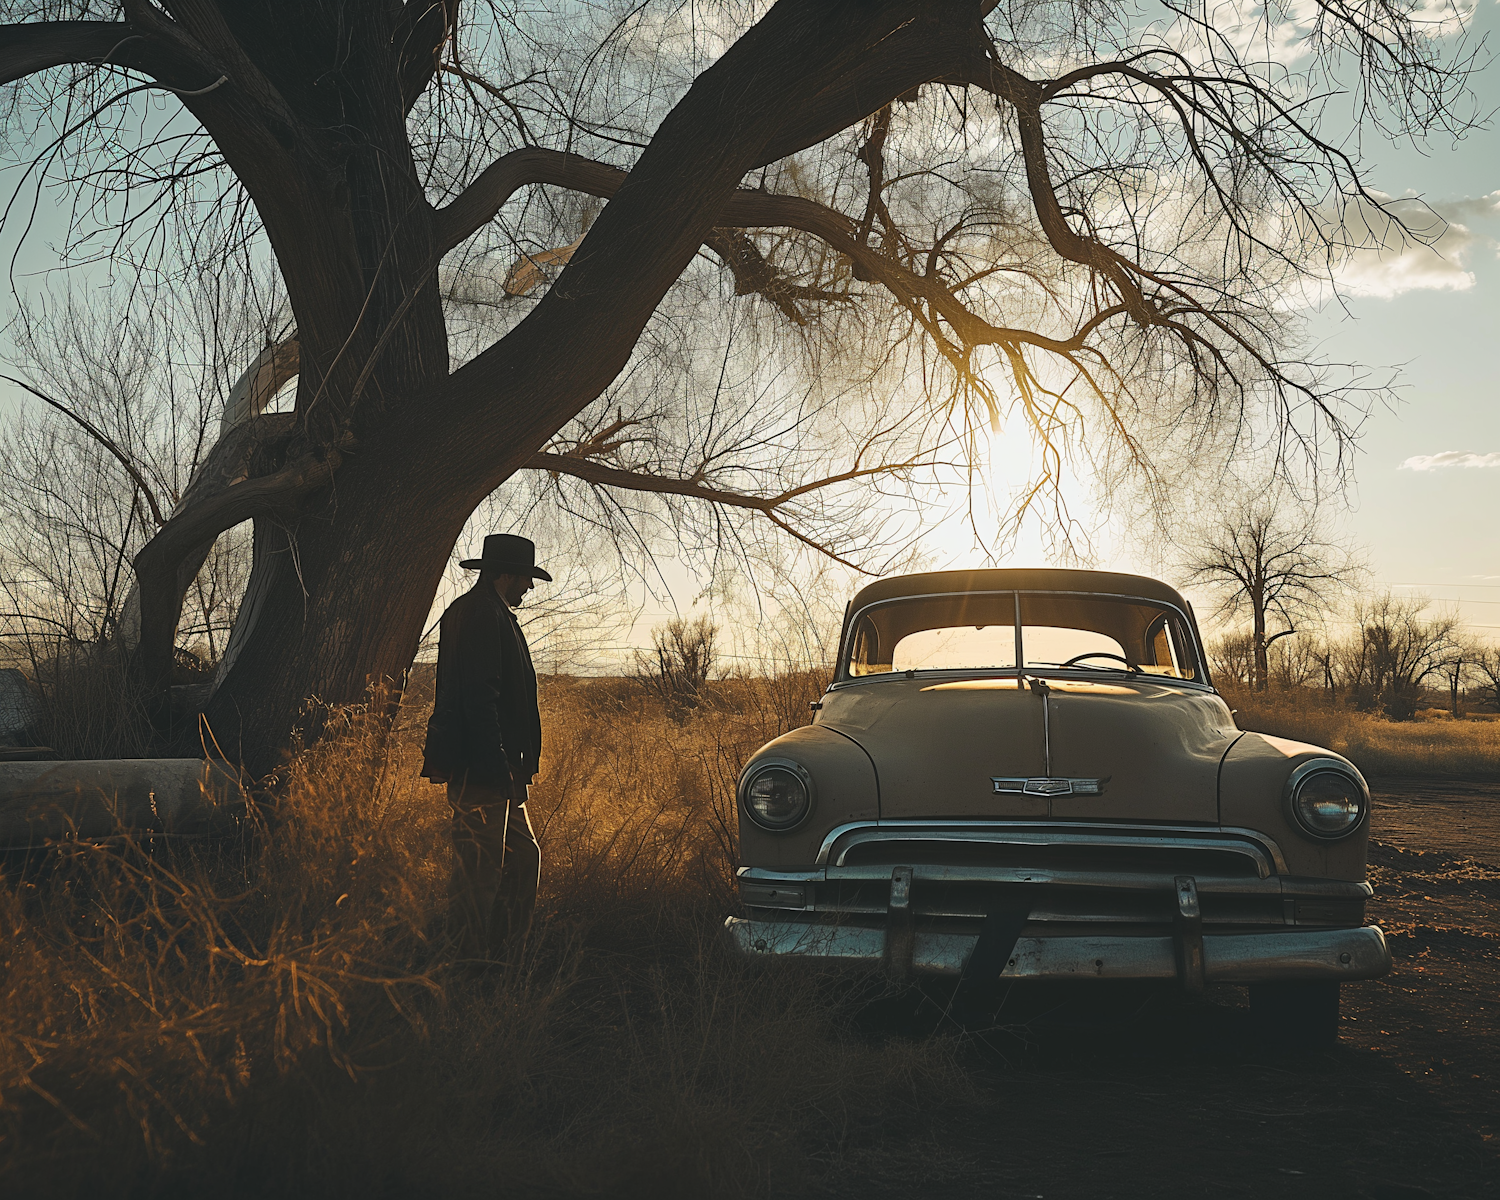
[(864, 655), (1167, 649), (1182, 644)]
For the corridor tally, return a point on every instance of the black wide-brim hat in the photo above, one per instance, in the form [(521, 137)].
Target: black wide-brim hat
[(507, 554)]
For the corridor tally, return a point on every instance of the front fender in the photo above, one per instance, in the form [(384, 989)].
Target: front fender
[(844, 789), (1252, 795)]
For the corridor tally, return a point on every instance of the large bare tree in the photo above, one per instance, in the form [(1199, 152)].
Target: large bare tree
[(1270, 558), (1067, 215), (1397, 649)]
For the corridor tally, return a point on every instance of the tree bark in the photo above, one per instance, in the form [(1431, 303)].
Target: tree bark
[(1262, 666), (336, 601)]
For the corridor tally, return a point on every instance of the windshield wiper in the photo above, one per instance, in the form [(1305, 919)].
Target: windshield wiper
[(1126, 669)]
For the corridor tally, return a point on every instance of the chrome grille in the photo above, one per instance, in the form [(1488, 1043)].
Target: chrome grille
[(1146, 849), (1151, 858), (1067, 873)]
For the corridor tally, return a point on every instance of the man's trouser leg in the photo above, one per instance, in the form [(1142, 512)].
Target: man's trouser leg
[(515, 901), (478, 854), (496, 866)]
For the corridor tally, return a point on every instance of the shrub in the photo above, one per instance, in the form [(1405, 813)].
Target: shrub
[(91, 707), (683, 659)]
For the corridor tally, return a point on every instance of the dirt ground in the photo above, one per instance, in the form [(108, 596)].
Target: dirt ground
[(1180, 1101)]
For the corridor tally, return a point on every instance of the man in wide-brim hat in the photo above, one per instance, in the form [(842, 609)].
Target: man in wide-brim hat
[(484, 741)]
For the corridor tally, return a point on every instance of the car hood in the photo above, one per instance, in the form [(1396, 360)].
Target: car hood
[(939, 746)]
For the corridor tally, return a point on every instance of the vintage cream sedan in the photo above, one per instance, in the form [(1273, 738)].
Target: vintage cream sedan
[(1028, 775)]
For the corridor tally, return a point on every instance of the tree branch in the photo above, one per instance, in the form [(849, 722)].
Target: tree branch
[(478, 203), (227, 499), (922, 51), (1026, 97), (482, 199), (753, 275), (275, 366), (104, 440), (593, 471), (748, 208), (264, 495), (28, 48)]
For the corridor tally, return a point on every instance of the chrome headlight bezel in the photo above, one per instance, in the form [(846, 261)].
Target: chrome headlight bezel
[(759, 768), (1307, 771)]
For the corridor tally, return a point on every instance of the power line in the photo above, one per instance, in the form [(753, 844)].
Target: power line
[(1445, 585), (1459, 600), (616, 649)]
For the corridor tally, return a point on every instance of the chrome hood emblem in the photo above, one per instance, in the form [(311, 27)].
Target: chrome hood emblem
[(1049, 786)]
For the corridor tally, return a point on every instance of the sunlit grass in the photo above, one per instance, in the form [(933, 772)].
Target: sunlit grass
[(1433, 745), (279, 1016)]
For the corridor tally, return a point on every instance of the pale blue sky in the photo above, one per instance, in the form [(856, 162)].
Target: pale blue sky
[(1440, 527)]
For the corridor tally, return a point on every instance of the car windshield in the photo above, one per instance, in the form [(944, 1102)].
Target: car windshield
[(972, 631)]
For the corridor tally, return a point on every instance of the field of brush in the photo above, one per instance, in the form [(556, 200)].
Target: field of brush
[(1434, 744), (278, 1016)]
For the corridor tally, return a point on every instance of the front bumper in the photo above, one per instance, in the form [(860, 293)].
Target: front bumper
[(1332, 955)]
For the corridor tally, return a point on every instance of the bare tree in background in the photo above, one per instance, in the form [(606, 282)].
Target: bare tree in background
[(85, 483), (1460, 666), (1272, 562), (1070, 217), (1487, 674), (1394, 652), (1399, 648), (682, 660), (1295, 662), (1231, 656)]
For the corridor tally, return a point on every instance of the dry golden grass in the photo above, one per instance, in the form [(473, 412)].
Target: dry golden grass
[(278, 1016), (1435, 744)]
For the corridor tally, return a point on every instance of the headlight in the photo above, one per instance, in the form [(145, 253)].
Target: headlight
[(1326, 800), (776, 793)]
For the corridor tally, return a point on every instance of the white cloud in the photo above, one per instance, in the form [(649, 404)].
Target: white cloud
[(1449, 458), (1384, 273), (1261, 34), (1471, 208), (1385, 262)]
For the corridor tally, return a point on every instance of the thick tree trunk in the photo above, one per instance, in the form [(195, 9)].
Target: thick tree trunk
[(1262, 668), (336, 602)]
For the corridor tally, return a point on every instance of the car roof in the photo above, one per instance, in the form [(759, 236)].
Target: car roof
[(1018, 579)]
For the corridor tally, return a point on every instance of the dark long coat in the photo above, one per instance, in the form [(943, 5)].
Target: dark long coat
[(485, 720)]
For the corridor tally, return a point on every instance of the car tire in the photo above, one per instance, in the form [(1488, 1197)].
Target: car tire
[(1303, 1015)]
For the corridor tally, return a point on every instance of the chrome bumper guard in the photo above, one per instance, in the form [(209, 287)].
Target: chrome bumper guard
[(1324, 954)]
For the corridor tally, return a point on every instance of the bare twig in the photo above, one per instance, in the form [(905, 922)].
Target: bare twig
[(104, 440)]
